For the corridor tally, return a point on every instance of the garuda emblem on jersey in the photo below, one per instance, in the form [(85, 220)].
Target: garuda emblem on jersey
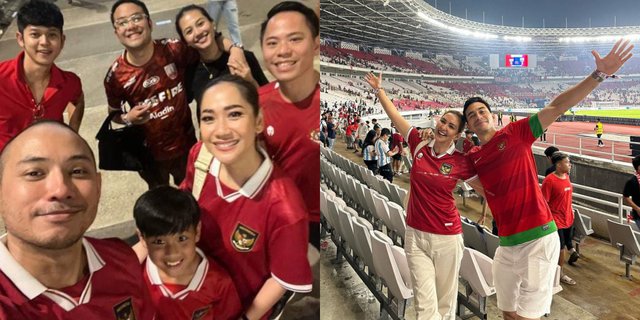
[(124, 310), (200, 313), (502, 145), (445, 168), (244, 238), (171, 71)]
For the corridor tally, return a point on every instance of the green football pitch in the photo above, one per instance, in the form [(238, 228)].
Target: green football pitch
[(624, 113)]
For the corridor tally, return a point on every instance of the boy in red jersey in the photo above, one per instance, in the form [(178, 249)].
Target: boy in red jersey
[(33, 87), (291, 105), (528, 251), (183, 282), (49, 192), (557, 190)]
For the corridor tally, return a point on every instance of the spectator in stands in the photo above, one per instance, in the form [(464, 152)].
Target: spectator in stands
[(468, 142), (631, 191), (196, 28), (397, 141), (369, 152), (375, 124), (525, 223), (361, 133), (599, 129), (331, 131), (548, 152), (349, 135), (385, 154), (181, 279), (433, 240), (33, 87), (543, 137), (49, 193), (558, 191), (500, 118), (254, 220)]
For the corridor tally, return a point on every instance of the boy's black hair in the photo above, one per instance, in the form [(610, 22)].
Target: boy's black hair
[(40, 13), (558, 156), (550, 150), (385, 131), (313, 21), (164, 211), (636, 162), (185, 10), (136, 2)]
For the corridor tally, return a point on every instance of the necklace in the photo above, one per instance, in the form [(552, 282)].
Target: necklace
[(208, 71)]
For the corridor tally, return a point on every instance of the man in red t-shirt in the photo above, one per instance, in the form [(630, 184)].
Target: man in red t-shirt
[(506, 169), (49, 193), (558, 191), (397, 141), (33, 87), (291, 104), (149, 77)]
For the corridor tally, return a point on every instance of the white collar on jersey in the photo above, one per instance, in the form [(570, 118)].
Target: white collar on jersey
[(196, 282), (32, 288), (253, 186), (450, 151)]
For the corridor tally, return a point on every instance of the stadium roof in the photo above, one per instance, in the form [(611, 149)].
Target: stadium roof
[(415, 25)]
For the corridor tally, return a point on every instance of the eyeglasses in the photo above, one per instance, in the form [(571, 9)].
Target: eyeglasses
[(135, 18)]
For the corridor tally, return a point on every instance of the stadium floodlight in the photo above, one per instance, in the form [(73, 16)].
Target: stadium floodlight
[(517, 38), (603, 38), (461, 31)]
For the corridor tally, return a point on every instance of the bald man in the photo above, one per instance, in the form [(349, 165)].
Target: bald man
[(49, 193)]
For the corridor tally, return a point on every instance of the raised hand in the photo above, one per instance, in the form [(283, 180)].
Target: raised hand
[(374, 82), (619, 54)]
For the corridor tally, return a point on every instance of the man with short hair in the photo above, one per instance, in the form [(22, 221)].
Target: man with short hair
[(548, 152), (290, 39), (149, 77), (529, 250), (49, 193), (384, 154), (33, 87), (599, 129), (631, 191)]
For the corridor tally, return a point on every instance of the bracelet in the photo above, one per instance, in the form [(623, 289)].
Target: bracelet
[(599, 75), (379, 89), (126, 120)]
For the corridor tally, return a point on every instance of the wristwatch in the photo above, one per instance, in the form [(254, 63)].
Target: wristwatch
[(237, 45), (599, 75)]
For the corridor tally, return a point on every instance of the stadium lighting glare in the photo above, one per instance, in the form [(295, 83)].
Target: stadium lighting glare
[(464, 32), (606, 38), (517, 38)]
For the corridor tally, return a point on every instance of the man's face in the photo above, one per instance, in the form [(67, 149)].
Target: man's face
[(49, 189), (289, 47), (479, 118), (132, 26), (41, 44), (563, 166)]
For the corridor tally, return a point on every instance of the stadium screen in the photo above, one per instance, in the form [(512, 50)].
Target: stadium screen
[(516, 61)]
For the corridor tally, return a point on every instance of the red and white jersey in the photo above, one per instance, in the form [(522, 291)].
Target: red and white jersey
[(291, 135), (257, 232), (113, 289), (507, 170), (18, 105), (432, 207), (210, 295), (558, 193), (160, 82)]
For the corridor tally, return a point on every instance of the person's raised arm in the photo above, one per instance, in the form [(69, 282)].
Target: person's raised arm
[(394, 115), (619, 54)]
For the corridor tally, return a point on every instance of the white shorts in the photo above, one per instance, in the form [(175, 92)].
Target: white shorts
[(523, 276)]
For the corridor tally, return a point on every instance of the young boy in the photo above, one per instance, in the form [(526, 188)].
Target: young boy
[(183, 282)]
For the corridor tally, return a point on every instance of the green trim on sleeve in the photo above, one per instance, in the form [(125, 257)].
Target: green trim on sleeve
[(536, 127)]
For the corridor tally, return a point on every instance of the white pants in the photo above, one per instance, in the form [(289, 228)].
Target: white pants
[(434, 261)]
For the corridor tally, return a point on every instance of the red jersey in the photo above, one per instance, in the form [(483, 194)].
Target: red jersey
[(291, 136), (467, 145), (396, 141), (432, 207), (210, 294), (558, 193), (18, 105), (160, 82), (507, 170), (257, 232), (114, 289)]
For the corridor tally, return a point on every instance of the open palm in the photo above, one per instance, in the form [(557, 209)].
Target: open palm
[(619, 54), (374, 82)]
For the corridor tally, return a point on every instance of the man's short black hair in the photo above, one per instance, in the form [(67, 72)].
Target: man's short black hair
[(138, 3), (471, 101), (40, 13), (313, 21), (385, 131), (558, 156), (165, 210), (550, 150), (636, 162)]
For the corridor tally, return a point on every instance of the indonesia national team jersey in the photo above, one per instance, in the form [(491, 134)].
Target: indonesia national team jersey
[(507, 170), (160, 82), (18, 107), (291, 135), (210, 295), (114, 288), (257, 232), (558, 193), (432, 207)]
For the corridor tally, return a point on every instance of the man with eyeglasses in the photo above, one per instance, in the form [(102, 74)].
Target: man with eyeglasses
[(149, 77), (33, 87)]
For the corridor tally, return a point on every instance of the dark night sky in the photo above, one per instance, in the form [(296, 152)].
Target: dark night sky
[(602, 12)]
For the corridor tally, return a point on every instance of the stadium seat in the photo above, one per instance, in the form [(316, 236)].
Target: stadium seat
[(472, 237), (582, 226), (493, 242), (476, 272), (625, 240), (362, 233)]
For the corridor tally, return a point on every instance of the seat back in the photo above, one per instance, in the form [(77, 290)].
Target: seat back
[(493, 242), (622, 234), (388, 265), (472, 237), (362, 233), (475, 268), (397, 216)]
